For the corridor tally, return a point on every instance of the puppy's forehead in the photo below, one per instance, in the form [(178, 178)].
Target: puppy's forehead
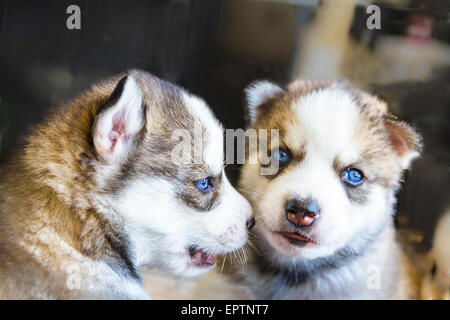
[(337, 122), (172, 108), (326, 118), (212, 135)]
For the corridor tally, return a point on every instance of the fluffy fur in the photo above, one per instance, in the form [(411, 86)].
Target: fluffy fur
[(97, 192), (351, 253)]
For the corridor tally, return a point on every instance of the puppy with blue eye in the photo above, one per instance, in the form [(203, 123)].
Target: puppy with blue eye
[(100, 189), (325, 216)]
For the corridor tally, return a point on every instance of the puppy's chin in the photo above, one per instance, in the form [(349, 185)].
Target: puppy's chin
[(194, 260), (184, 265), (287, 249), (192, 271)]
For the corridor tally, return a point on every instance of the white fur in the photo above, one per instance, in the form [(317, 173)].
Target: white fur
[(407, 159), (257, 93), (162, 226)]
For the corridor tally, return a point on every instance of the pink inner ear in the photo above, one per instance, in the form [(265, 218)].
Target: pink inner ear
[(113, 136), (398, 142), (118, 128)]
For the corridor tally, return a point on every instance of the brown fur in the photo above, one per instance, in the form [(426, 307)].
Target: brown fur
[(48, 221), (45, 186)]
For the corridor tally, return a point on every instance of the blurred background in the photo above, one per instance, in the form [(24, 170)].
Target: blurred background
[(215, 48)]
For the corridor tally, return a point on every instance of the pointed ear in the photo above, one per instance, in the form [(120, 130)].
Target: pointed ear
[(406, 141), (256, 94), (119, 122)]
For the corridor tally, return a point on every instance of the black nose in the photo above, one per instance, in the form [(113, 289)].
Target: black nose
[(302, 212), (250, 223)]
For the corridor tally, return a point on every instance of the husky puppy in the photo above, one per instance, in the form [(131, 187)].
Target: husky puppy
[(102, 187), (324, 218)]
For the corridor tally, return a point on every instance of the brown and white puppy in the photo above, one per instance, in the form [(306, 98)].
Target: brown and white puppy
[(324, 219), (105, 185)]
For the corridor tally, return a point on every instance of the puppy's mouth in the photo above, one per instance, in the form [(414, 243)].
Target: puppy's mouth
[(200, 258), (295, 238)]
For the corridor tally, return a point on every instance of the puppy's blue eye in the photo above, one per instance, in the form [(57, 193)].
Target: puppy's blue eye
[(205, 185), (281, 155), (352, 176)]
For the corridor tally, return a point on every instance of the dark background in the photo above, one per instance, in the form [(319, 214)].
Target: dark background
[(215, 49)]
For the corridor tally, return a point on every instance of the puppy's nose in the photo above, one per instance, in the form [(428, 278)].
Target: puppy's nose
[(302, 212), (250, 223)]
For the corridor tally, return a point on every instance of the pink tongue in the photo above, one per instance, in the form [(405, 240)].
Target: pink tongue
[(201, 259)]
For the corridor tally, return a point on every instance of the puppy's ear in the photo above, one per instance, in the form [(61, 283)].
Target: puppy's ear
[(406, 141), (119, 121), (256, 94)]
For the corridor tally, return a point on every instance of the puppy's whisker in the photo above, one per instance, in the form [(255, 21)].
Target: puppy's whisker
[(244, 256), (223, 262), (251, 233), (241, 258), (252, 245), (237, 255)]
